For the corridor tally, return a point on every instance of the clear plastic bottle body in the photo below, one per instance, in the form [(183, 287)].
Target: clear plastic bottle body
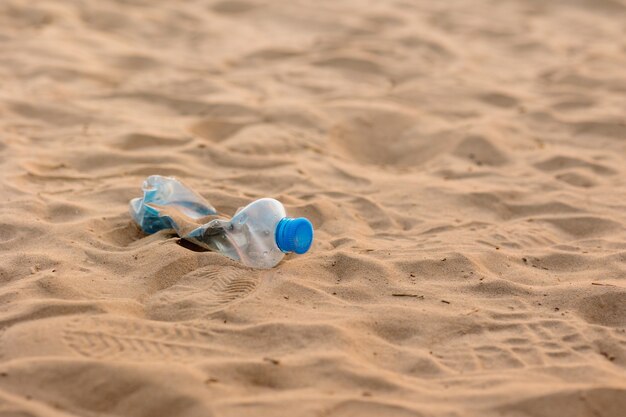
[(249, 237), (166, 193)]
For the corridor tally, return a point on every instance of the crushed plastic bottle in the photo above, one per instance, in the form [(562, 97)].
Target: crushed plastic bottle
[(259, 235)]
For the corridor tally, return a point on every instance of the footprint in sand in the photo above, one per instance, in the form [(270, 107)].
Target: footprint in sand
[(203, 291), (134, 340)]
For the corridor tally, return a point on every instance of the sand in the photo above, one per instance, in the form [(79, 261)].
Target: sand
[(463, 163)]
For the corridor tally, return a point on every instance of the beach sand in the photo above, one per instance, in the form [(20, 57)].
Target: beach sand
[(463, 163)]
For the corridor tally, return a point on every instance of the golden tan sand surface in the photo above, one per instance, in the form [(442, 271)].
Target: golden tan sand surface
[(463, 163)]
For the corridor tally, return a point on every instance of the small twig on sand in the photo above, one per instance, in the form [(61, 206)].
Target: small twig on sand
[(408, 295)]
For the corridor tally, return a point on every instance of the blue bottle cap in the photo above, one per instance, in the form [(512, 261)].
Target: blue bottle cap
[(294, 235)]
